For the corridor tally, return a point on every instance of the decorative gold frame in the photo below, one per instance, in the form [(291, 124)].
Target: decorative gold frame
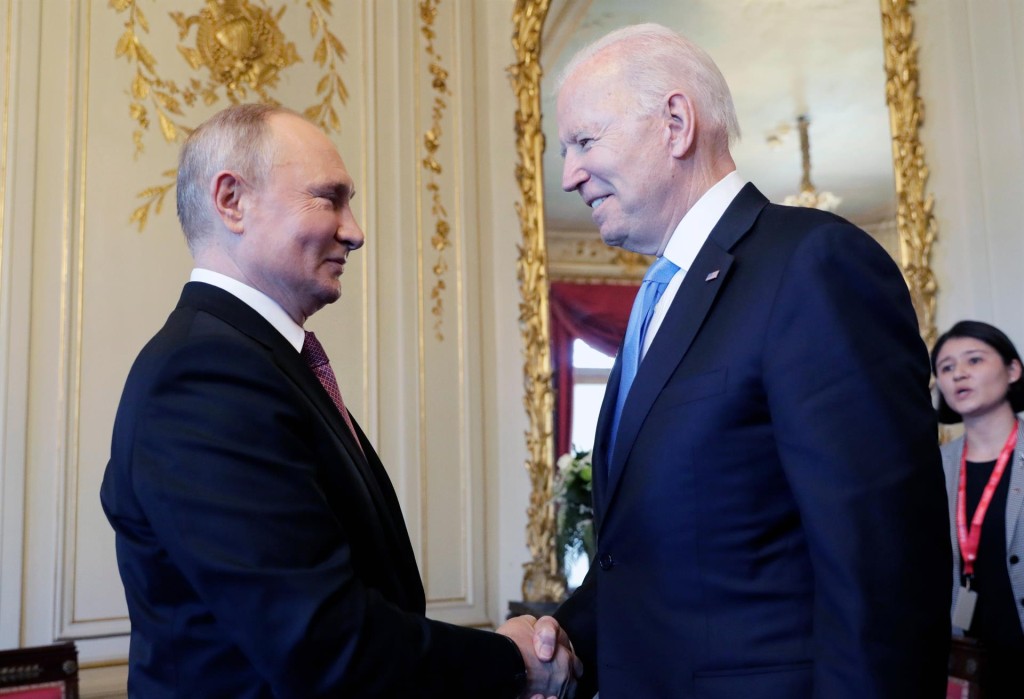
[(915, 220), (542, 579)]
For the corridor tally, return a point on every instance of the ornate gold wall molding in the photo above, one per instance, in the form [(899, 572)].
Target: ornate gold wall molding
[(243, 49), (441, 239), (914, 213), (542, 579), (917, 231)]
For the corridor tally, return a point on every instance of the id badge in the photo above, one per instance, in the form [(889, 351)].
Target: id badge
[(963, 612)]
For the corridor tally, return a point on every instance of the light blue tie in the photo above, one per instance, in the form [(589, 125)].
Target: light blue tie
[(657, 278)]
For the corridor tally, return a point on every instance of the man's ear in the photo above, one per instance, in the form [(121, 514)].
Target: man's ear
[(227, 189), (682, 124)]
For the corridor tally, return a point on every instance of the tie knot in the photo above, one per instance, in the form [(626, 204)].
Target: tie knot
[(313, 351), (662, 271)]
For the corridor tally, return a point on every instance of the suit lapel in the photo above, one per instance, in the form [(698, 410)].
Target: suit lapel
[(296, 368), (379, 489), (602, 437), (245, 319), (703, 282), (1015, 497), (676, 334)]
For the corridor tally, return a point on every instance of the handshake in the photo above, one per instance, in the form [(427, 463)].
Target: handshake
[(551, 665)]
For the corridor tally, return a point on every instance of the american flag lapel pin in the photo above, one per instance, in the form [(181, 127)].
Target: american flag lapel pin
[(712, 276)]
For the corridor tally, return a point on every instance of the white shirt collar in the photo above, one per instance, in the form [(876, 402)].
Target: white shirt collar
[(695, 227), (258, 301)]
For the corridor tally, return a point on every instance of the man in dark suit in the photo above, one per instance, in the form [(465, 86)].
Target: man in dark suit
[(260, 542), (767, 486)]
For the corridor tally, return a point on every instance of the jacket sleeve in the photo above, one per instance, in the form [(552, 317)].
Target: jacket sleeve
[(577, 616), (846, 375)]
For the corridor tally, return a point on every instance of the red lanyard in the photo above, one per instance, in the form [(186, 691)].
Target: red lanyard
[(969, 538)]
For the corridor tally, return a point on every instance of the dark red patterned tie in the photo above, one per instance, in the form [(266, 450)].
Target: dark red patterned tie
[(316, 358)]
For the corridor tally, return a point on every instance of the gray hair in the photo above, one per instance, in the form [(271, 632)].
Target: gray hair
[(654, 61), (237, 138)]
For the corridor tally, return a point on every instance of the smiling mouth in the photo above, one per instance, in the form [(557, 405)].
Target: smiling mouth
[(597, 202)]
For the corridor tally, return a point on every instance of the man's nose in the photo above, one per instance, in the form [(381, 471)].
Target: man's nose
[(573, 175), (350, 233)]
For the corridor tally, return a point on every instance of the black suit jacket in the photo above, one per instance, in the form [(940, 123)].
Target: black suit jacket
[(772, 524), (263, 555)]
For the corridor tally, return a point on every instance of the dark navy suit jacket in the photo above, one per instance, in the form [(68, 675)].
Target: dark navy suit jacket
[(772, 524), (263, 555)]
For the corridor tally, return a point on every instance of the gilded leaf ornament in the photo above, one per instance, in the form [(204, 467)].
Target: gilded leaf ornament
[(328, 54), (440, 240), (239, 51)]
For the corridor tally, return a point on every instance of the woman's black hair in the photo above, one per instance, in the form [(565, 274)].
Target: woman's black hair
[(994, 338)]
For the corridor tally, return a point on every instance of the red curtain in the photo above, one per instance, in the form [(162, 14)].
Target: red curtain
[(594, 313)]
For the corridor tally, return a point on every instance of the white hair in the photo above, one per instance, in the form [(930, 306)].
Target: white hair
[(236, 138), (655, 60)]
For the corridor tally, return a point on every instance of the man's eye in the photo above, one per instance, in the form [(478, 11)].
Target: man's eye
[(585, 143)]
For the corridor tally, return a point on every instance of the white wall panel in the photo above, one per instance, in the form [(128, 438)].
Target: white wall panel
[(17, 132), (973, 87)]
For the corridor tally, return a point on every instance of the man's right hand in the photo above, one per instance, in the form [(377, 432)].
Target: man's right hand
[(551, 665)]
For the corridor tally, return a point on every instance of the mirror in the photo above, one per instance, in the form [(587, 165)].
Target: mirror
[(786, 64)]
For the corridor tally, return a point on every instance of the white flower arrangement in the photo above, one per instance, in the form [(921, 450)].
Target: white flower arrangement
[(574, 504)]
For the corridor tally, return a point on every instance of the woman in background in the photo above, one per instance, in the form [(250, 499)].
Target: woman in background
[(978, 372)]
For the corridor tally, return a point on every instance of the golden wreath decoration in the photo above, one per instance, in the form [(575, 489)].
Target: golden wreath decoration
[(240, 45)]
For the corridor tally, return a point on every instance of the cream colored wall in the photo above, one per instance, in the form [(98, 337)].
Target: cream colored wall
[(972, 80), (81, 289)]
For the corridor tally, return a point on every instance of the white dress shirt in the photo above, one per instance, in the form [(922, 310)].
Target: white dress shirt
[(688, 238)]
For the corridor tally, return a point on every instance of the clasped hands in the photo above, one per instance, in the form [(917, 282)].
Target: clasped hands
[(551, 665)]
